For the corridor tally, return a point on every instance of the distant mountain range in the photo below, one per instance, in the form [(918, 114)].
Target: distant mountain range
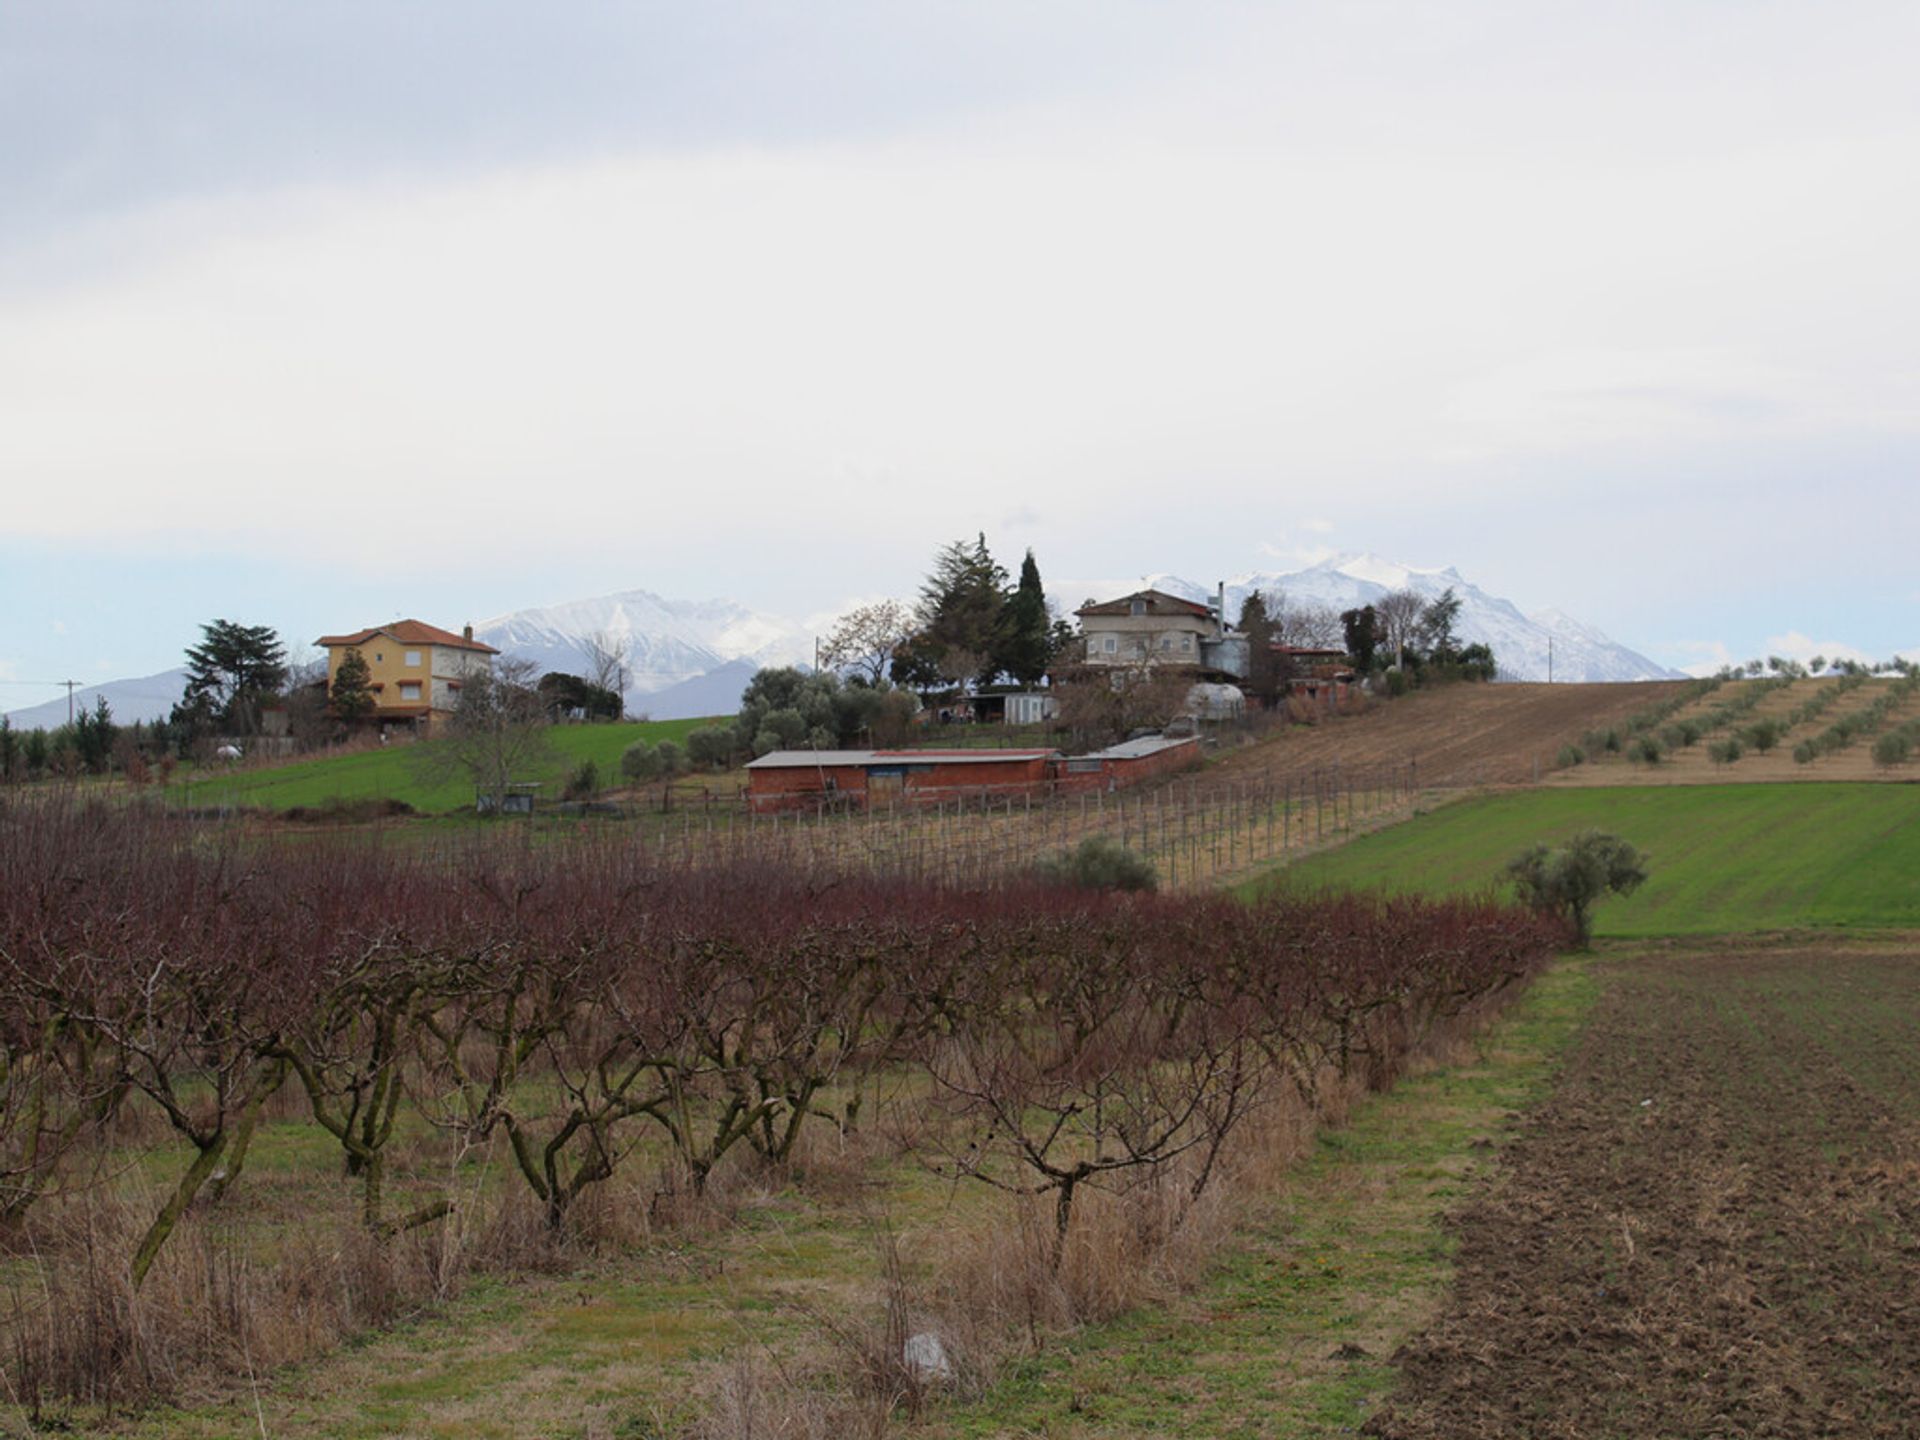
[(693, 657), (1520, 643), (680, 654), (150, 697)]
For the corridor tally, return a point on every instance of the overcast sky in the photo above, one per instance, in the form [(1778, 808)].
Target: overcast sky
[(320, 315)]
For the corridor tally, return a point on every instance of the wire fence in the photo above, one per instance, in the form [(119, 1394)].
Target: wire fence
[(1195, 835)]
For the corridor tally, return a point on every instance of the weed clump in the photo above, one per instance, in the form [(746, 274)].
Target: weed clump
[(1099, 863)]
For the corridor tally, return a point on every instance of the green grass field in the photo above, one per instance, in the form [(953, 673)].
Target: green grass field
[(402, 772), (1723, 858)]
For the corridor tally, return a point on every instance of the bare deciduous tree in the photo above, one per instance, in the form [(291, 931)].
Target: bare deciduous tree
[(499, 731), (1399, 612), (1102, 707), (606, 657), (864, 639), (1301, 623)]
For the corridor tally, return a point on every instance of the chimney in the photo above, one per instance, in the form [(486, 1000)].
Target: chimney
[(1220, 609), (466, 632)]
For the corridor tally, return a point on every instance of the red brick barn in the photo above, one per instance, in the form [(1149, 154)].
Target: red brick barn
[(804, 779), (1130, 763)]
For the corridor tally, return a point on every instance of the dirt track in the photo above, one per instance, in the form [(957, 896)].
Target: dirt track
[(1712, 1228), (1457, 734)]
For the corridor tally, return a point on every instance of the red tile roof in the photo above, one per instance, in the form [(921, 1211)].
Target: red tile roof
[(1158, 603), (409, 632)]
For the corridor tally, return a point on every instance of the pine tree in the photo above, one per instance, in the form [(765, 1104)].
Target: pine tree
[(350, 696), (962, 609), (231, 670)]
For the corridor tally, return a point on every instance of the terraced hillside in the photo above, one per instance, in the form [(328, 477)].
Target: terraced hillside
[(1819, 729)]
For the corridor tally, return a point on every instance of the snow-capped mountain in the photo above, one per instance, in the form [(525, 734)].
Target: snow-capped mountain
[(1520, 642), (688, 658), (668, 643)]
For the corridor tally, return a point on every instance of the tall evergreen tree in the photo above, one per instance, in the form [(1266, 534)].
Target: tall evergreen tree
[(1361, 629), (351, 694), (93, 736), (1264, 677), (962, 608), (231, 670), (1026, 635)]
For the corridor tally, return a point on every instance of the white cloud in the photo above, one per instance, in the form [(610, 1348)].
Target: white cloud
[(659, 344), (1708, 657), (1701, 657)]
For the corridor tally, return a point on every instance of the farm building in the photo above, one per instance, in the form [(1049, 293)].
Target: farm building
[(802, 779), (1323, 676), (806, 779), (1128, 763)]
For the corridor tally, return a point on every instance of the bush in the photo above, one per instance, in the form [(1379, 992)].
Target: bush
[(1647, 749), (584, 783), (1571, 755), (639, 761), (1724, 752), (1099, 863), (711, 746), (1892, 749), (1805, 753), (670, 758), (1570, 880), (1763, 735)]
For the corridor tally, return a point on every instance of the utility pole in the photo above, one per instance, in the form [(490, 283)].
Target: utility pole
[(69, 684)]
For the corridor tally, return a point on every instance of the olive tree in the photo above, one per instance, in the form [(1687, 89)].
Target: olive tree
[(1570, 880)]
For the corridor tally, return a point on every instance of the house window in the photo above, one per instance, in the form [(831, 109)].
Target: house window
[(409, 689), (413, 659), (1138, 607), (1166, 642), (1186, 642), (1110, 643), (378, 658)]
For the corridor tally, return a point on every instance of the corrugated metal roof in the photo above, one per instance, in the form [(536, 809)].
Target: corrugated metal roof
[(798, 759), (1141, 748), (961, 757), (789, 759)]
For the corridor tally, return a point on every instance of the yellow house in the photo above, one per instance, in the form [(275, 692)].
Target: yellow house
[(415, 670)]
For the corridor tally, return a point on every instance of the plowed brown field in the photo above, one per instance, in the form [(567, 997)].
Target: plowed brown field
[(1455, 734), (1712, 1227)]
